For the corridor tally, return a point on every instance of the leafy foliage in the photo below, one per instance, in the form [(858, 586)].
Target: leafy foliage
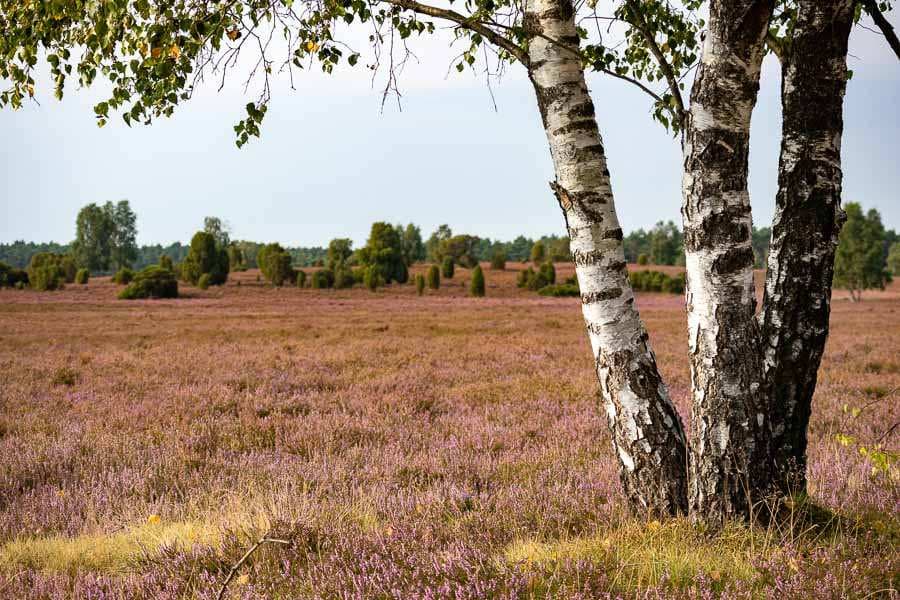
[(322, 279), (561, 290), (498, 260), (434, 277), (123, 276), (420, 284), (48, 271), (165, 262), (656, 281), (384, 249), (373, 278), (538, 252), (203, 282), (11, 276), (300, 278), (82, 276), (152, 282), (548, 272)]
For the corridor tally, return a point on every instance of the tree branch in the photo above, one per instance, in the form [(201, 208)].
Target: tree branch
[(775, 45), (887, 29), (264, 540), (465, 22), (640, 24)]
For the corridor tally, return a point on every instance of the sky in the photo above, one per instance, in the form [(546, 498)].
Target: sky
[(330, 161)]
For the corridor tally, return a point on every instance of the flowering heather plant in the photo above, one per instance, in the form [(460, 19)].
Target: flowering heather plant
[(396, 449)]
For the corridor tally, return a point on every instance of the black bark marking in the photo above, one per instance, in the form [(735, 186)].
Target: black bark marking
[(607, 294)]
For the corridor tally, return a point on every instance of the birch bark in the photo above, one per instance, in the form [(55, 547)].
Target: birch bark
[(647, 434), (729, 450), (805, 228)]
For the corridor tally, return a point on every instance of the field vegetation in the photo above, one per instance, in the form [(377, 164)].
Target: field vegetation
[(148, 445)]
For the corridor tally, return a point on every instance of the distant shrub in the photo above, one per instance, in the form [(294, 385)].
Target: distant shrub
[(498, 260), (655, 281), (343, 276), (434, 277), (322, 279), (537, 280), (548, 272), (524, 277), (643, 259), (420, 284), (82, 276), (65, 376), (447, 268), (151, 282), (203, 282), (46, 278), (359, 275), (12, 277), (373, 278), (123, 276), (206, 255), (45, 268), (300, 278), (165, 262), (276, 264), (477, 286), (561, 290)]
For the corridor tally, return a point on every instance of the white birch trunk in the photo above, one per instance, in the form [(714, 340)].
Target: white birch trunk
[(647, 434), (730, 450), (805, 228)]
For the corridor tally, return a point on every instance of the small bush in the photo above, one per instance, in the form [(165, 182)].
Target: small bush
[(537, 281), (300, 278), (12, 277), (322, 279), (560, 291), (65, 376), (151, 282), (434, 277), (420, 284), (655, 281), (203, 282), (82, 276), (343, 276), (447, 268), (46, 278), (165, 262), (643, 259), (373, 278), (548, 272), (123, 276), (538, 253), (477, 286), (524, 277), (498, 261)]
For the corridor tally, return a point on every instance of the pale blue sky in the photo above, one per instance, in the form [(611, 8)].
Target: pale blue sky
[(330, 162)]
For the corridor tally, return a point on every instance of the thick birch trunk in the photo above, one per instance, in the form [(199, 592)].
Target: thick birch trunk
[(805, 228), (647, 434), (730, 450)]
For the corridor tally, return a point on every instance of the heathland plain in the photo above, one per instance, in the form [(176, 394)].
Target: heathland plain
[(405, 446)]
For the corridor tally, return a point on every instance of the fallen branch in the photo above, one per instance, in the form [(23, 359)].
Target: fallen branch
[(263, 540)]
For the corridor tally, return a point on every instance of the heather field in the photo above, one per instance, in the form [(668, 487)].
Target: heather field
[(405, 447)]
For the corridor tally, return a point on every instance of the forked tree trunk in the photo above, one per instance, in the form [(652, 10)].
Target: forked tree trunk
[(805, 228), (647, 434), (729, 451)]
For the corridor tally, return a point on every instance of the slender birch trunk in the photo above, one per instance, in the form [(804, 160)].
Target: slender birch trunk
[(805, 228), (647, 434), (729, 450)]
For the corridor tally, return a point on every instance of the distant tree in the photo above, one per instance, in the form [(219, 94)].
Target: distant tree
[(759, 239), (124, 249), (498, 260), (538, 252), (165, 262), (432, 246), (205, 256), (322, 279), (94, 238), (373, 277), (558, 248), (413, 248), (477, 286), (235, 257), (636, 243), (275, 264), (666, 244), (218, 229), (300, 278), (434, 277), (339, 250), (893, 259), (384, 249), (859, 261), (343, 276), (447, 267), (519, 249)]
